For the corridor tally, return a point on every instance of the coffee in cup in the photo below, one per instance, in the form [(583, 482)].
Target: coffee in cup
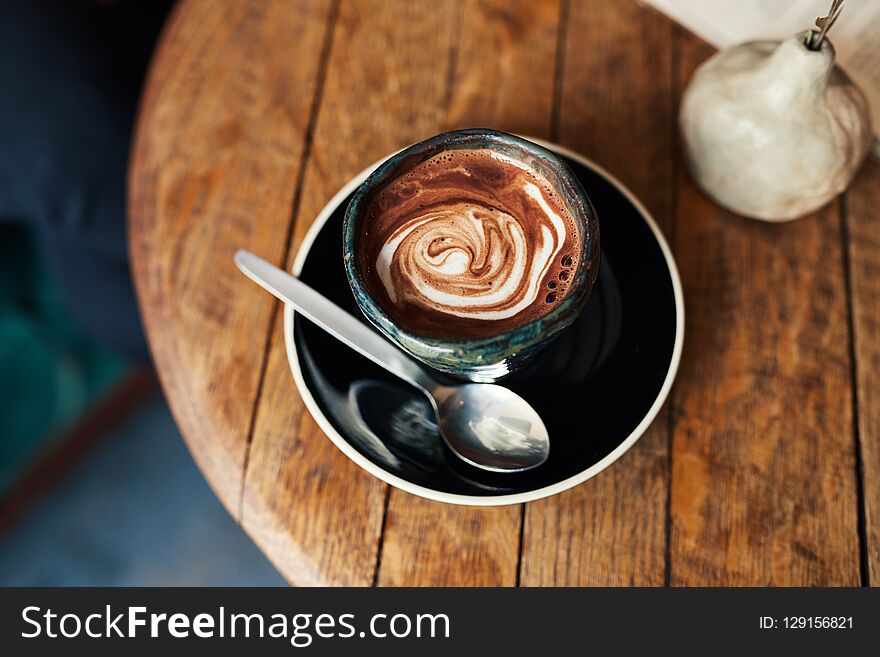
[(472, 250), (468, 244)]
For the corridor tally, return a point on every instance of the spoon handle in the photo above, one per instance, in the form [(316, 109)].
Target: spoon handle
[(330, 317)]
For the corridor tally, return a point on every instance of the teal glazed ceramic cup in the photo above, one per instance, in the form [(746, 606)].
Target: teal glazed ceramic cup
[(490, 358)]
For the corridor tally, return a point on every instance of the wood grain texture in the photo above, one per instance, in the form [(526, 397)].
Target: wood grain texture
[(214, 161), (616, 108), (504, 66), (431, 544), (863, 215), (763, 467), (501, 76), (317, 515)]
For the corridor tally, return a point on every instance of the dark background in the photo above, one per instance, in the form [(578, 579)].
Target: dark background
[(92, 468)]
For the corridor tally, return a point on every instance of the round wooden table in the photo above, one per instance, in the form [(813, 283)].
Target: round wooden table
[(762, 469)]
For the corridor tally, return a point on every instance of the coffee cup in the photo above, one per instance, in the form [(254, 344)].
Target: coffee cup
[(471, 251)]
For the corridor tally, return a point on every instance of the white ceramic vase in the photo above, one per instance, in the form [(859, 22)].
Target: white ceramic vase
[(774, 130)]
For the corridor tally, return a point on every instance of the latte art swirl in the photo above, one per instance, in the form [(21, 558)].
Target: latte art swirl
[(470, 261), (469, 240)]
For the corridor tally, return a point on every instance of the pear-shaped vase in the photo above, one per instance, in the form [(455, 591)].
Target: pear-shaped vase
[(774, 130)]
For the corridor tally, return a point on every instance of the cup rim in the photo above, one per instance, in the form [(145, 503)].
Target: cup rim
[(434, 351), (491, 500)]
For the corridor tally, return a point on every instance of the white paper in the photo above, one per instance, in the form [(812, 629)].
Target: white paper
[(856, 34)]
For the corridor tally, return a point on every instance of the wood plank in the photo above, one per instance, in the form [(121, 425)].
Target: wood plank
[(504, 67), (502, 78), (862, 203), (317, 515), (616, 108), (432, 544), (763, 466), (214, 164)]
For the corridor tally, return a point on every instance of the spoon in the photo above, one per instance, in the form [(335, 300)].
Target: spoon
[(486, 425)]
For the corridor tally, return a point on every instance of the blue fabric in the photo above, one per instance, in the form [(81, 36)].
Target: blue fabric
[(70, 74), (49, 372)]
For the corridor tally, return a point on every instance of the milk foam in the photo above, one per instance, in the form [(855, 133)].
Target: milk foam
[(469, 236), (448, 282)]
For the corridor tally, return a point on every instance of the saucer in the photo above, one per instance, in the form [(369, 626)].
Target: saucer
[(597, 387)]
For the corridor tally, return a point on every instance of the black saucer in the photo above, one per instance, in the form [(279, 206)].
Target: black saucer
[(597, 387)]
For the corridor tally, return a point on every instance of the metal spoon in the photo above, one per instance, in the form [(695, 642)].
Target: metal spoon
[(485, 425)]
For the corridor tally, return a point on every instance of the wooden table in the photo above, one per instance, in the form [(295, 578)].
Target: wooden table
[(764, 467)]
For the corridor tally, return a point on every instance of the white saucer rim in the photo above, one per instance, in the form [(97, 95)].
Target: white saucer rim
[(512, 498)]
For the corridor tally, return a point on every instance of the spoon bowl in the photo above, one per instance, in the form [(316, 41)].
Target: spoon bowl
[(491, 427)]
